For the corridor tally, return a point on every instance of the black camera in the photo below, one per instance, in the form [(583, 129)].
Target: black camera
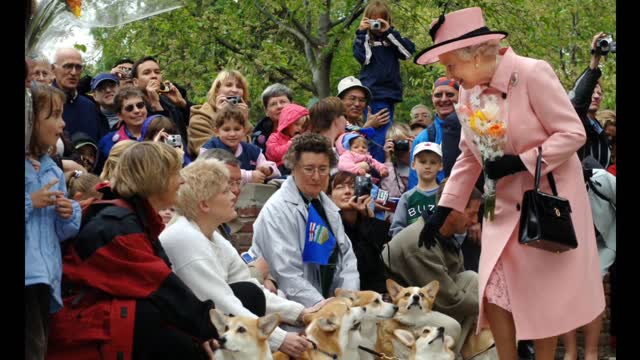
[(605, 45), (401, 145), (363, 186), (234, 100)]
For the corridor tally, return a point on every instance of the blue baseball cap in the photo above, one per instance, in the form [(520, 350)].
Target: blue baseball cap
[(103, 77)]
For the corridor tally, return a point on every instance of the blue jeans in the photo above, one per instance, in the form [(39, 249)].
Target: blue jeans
[(375, 147)]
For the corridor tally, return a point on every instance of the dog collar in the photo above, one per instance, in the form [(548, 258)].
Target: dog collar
[(316, 348), (375, 353)]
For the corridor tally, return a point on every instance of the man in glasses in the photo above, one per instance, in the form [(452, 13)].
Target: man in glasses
[(445, 129), (104, 88), (79, 113)]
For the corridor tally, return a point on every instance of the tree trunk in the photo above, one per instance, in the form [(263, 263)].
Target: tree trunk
[(321, 78)]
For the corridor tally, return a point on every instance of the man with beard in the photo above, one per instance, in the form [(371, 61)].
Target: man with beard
[(445, 129), (79, 113)]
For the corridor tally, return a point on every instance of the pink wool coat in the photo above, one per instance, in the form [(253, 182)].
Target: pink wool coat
[(349, 160), (550, 293)]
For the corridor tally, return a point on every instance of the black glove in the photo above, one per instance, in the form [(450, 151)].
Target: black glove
[(504, 166), (432, 224)]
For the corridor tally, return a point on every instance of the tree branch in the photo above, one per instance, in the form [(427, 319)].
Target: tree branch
[(358, 9), (273, 18), (313, 41)]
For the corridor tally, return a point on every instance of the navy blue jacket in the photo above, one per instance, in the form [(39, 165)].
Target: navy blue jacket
[(379, 59), (248, 158), (81, 114)]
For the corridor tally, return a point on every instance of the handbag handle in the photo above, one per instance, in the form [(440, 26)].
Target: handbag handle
[(552, 181)]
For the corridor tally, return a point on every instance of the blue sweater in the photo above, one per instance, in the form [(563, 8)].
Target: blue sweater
[(379, 59), (248, 158), (81, 115), (44, 230)]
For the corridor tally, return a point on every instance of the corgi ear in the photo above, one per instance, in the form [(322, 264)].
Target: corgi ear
[(393, 288), (267, 324), (448, 342), (405, 337), (432, 289), (348, 294), (218, 319), (328, 324)]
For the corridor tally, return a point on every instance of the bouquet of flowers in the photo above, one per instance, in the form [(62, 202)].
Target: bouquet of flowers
[(489, 137)]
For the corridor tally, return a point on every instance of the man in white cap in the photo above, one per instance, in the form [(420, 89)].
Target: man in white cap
[(355, 96)]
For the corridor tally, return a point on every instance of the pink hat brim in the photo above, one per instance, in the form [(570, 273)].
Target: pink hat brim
[(430, 55)]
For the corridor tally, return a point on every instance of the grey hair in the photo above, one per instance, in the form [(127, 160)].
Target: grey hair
[(312, 143), (484, 49), (420, 106), (276, 89), (223, 155)]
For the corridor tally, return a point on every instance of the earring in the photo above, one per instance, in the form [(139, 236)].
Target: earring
[(476, 65)]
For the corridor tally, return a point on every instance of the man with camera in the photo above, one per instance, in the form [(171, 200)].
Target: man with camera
[(586, 96), (79, 113), (162, 97), (122, 69)]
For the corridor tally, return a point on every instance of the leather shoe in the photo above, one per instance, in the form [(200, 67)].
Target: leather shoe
[(526, 350)]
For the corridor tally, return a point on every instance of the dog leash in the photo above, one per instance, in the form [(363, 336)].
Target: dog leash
[(316, 348), (380, 355)]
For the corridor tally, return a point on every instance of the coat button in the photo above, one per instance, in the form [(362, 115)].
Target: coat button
[(518, 206)]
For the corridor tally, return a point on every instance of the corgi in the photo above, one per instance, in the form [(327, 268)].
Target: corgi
[(377, 310), (334, 331), (243, 337), (413, 304), (427, 343)]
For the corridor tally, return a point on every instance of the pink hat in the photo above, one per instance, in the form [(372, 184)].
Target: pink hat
[(290, 114), (455, 31)]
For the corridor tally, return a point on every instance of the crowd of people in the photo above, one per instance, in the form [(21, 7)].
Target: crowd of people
[(130, 189)]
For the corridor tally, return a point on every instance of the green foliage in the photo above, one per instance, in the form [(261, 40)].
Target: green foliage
[(195, 42)]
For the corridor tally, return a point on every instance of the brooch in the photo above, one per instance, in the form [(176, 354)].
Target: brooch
[(514, 79)]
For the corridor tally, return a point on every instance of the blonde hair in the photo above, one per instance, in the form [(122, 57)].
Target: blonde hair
[(114, 156), (398, 131), (145, 168), (84, 184), (605, 116), (203, 179), (487, 48), (221, 78)]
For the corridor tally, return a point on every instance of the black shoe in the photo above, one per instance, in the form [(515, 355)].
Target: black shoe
[(526, 350)]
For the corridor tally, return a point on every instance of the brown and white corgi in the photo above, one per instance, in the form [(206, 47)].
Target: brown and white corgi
[(414, 305), (243, 337), (428, 343), (377, 310)]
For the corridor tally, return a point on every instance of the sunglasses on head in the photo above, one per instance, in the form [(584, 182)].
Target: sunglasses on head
[(129, 108), (448, 94)]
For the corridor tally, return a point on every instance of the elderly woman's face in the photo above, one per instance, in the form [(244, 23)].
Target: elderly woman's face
[(444, 97), (468, 73), (311, 173), (342, 193)]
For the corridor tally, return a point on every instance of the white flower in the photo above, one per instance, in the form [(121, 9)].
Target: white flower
[(491, 111)]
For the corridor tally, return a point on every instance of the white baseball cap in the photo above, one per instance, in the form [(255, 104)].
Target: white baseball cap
[(351, 82), (427, 146)]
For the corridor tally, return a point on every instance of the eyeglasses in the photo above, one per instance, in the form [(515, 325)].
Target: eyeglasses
[(235, 183), (310, 170), (129, 108), (448, 94), (355, 99), (41, 73), (68, 67)]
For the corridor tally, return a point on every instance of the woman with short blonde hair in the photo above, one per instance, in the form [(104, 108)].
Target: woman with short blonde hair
[(228, 84), (114, 157), (116, 260)]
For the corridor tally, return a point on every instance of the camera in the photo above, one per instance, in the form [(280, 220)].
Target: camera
[(173, 140), (401, 145), (165, 87), (605, 45), (375, 24), (234, 100), (363, 186)]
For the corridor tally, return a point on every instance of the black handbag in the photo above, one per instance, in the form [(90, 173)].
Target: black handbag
[(545, 220)]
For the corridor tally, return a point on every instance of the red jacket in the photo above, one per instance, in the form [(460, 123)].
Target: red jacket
[(115, 260)]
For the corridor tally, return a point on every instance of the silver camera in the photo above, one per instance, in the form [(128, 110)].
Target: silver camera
[(173, 140), (605, 45), (375, 24), (234, 100)]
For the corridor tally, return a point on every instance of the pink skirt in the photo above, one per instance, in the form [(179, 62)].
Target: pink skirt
[(496, 291)]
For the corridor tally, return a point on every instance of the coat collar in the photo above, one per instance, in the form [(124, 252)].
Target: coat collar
[(504, 73), (292, 195)]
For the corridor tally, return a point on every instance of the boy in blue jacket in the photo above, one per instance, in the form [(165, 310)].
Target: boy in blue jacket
[(377, 47)]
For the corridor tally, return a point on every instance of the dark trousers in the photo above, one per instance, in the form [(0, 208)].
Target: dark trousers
[(37, 299), (153, 339)]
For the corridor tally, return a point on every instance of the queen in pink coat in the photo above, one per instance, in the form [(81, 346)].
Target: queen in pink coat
[(526, 293)]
